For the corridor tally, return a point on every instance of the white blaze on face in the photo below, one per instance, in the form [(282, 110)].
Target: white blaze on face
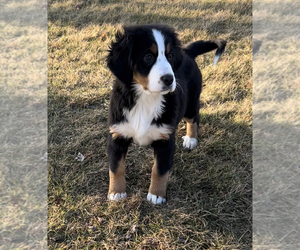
[(161, 67)]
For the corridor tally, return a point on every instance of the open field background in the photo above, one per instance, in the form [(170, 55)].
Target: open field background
[(23, 124), (210, 188), (276, 125)]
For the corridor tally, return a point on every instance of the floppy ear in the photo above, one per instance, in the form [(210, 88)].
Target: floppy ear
[(119, 57)]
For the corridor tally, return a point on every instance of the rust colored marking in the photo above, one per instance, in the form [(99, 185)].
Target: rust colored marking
[(153, 49), (168, 48), (191, 128), (138, 78), (117, 180), (164, 136), (114, 133), (159, 182)]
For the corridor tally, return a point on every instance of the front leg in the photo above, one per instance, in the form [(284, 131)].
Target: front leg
[(163, 161), (192, 126), (117, 149)]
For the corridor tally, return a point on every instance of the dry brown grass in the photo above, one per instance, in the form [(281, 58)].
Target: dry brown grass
[(276, 138), (23, 125), (209, 192)]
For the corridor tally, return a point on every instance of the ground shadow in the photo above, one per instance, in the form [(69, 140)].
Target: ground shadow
[(212, 183)]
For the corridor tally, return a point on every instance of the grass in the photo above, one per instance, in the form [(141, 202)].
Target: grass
[(276, 126), (210, 188), (23, 123)]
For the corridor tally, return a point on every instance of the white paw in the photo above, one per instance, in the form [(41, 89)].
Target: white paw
[(154, 199), (116, 196), (189, 142)]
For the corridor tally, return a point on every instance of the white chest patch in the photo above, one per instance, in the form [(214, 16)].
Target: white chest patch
[(138, 125)]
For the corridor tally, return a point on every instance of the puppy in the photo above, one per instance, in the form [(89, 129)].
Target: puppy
[(158, 83)]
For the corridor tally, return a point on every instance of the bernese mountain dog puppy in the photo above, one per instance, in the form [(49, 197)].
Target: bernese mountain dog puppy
[(158, 83)]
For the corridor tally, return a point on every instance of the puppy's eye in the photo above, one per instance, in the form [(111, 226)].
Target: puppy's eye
[(148, 58), (170, 56)]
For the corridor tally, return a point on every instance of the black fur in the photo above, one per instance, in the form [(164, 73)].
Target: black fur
[(118, 60), (117, 149), (126, 54)]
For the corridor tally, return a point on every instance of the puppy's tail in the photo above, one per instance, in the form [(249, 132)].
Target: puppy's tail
[(195, 49)]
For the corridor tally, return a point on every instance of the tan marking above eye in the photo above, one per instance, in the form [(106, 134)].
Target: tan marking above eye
[(154, 49), (168, 48)]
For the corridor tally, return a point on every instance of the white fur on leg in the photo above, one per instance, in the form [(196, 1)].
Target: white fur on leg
[(116, 196), (189, 142), (154, 199)]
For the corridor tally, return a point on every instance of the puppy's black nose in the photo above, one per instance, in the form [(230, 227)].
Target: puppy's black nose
[(167, 79)]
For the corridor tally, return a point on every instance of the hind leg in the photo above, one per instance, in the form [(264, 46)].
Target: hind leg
[(190, 139)]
